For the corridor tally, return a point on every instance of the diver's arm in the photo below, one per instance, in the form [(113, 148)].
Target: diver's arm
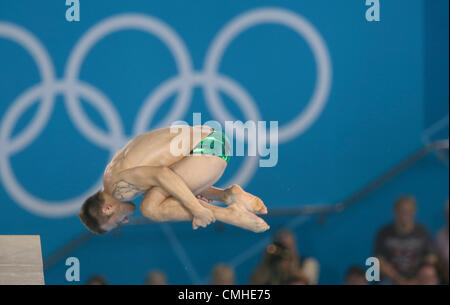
[(134, 181)]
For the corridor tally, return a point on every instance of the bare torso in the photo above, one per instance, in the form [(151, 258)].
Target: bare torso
[(150, 149)]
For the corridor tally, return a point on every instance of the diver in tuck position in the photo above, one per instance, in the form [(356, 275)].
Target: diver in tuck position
[(175, 186)]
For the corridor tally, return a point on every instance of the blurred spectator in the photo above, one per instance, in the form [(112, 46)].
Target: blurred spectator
[(442, 247), (156, 277), (356, 275), (428, 275), (297, 279), (403, 246), (282, 264), (97, 280), (222, 274)]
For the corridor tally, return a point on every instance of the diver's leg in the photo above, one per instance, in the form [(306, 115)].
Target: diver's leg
[(235, 194), (199, 172), (157, 207)]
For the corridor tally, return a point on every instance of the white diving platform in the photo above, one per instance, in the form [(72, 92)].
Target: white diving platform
[(21, 260)]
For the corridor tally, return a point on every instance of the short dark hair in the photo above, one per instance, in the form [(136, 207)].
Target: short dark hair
[(97, 280), (91, 213), (405, 199)]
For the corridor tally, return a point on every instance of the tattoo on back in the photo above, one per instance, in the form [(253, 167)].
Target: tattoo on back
[(125, 191)]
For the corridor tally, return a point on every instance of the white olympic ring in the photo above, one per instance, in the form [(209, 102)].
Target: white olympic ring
[(72, 89)]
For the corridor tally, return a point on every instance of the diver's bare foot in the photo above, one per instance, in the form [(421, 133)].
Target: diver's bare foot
[(244, 219), (252, 203)]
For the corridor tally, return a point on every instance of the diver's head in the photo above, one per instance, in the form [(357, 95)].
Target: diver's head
[(101, 212)]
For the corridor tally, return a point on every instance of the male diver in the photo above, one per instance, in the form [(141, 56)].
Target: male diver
[(175, 186)]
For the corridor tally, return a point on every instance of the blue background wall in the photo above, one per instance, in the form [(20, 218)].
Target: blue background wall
[(389, 84)]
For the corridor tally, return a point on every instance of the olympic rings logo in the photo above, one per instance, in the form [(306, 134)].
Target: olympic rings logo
[(209, 79)]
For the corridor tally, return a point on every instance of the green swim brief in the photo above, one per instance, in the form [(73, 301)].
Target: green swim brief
[(215, 144)]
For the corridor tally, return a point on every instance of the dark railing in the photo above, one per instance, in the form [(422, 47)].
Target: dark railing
[(437, 146)]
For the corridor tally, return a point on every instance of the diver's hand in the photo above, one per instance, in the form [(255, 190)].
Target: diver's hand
[(202, 218)]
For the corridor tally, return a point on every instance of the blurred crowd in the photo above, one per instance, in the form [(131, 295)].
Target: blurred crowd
[(406, 252)]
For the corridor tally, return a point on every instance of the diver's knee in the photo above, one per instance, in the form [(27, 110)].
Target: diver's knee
[(151, 212), (163, 173)]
